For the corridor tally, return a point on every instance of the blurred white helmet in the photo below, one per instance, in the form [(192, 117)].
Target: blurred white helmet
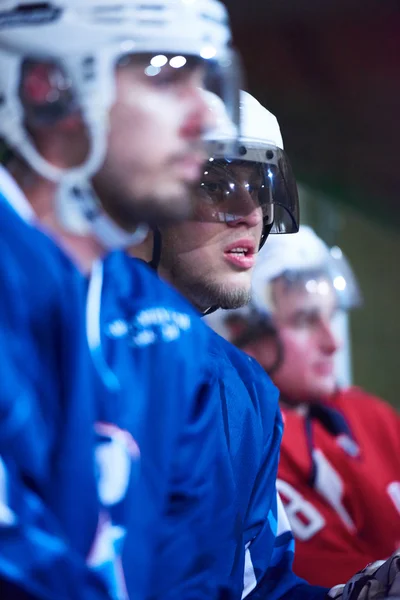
[(260, 144), (303, 256), (85, 39)]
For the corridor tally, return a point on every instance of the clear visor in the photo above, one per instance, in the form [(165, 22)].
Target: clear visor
[(334, 279), (48, 89), (232, 189), (344, 280), (191, 76)]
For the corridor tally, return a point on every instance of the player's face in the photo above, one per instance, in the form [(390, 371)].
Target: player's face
[(154, 150), (212, 262), (304, 324)]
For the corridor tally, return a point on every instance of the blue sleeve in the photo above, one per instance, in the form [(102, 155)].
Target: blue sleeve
[(269, 556), (195, 528), (21, 425), (34, 558)]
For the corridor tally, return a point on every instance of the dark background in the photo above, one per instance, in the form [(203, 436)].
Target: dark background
[(330, 71)]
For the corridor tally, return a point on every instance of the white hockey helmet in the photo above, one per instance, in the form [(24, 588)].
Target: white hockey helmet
[(303, 257), (260, 145), (85, 39)]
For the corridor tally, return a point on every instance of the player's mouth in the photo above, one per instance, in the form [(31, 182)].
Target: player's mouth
[(241, 254)]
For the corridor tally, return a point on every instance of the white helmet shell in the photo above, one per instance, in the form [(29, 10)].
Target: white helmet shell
[(258, 125), (63, 27), (259, 128)]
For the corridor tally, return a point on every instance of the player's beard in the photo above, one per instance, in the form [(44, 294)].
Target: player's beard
[(154, 209), (203, 292)]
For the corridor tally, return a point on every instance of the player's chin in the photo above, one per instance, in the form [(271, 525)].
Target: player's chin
[(238, 280), (324, 387), (235, 293)]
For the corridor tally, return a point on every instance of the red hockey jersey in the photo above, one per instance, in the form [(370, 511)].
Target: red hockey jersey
[(339, 479)]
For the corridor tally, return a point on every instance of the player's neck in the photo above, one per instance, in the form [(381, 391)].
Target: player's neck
[(83, 250), (299, 407), (144, 250), (186, 291)]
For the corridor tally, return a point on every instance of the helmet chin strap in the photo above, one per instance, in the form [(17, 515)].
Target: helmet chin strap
[(112, 237), (79, 211), (209, 311), (157, 248)]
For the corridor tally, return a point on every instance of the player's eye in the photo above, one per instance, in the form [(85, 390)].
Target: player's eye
[(213, 192), (303, 320), (165, 76)]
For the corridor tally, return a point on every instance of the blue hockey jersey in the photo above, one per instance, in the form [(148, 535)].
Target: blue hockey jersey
[(49, 501), (147, 343), (252, 428), (154, 345)]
